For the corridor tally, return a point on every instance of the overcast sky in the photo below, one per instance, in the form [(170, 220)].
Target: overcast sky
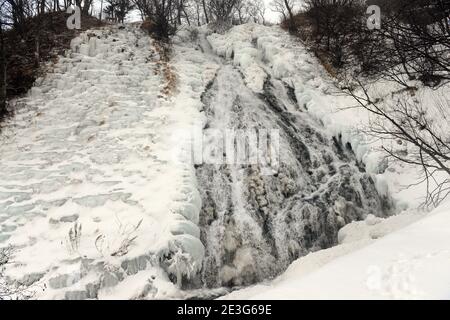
[(270, 15)]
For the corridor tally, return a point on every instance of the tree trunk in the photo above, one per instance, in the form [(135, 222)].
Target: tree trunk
[(289, 9), (101, 10), (206, 11), (87, 6), (198, 14), (187, 16), (42, 7)]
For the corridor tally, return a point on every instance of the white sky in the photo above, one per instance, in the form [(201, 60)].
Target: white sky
[(270, 15)]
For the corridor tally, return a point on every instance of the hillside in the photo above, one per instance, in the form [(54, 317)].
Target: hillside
[(99, 198)]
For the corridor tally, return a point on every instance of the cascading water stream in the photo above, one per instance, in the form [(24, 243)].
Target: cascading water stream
[(254, 225)]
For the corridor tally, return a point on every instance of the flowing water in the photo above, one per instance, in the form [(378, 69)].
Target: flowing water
[(254, 224)]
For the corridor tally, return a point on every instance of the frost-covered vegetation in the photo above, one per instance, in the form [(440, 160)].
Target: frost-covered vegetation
[(408, 49)]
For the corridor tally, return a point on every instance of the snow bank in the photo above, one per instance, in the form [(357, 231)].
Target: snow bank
[(412, 262), (89, 191)]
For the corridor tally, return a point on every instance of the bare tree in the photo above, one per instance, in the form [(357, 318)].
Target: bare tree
[(418, 36), (284, 7), (119, 9), (222, 12), (205, 11), (250, 10), (413, 43), (101, 10), (195, 10), (198, 12), (145, 7), (414, 134), (17, 11), (87, 6), (335, 28), (164, 16), (256, 9)]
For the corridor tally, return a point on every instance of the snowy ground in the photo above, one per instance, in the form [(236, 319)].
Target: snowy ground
[(98, 205), (408, 263)]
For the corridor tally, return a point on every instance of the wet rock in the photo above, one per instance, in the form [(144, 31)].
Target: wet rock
[(135, 265), (71, 218), (109, 280), (63, 281), (31, 279), (92, 290)]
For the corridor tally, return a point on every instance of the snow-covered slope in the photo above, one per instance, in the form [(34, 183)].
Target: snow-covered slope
[(410, 263), (90, 196), (100, 199)]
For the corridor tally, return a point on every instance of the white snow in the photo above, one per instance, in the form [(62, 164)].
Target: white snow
[(90, 152), (95, 147), (410, 263)]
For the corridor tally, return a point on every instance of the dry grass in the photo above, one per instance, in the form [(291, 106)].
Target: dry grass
[(304, 31), (327, 65), (165, 69)]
